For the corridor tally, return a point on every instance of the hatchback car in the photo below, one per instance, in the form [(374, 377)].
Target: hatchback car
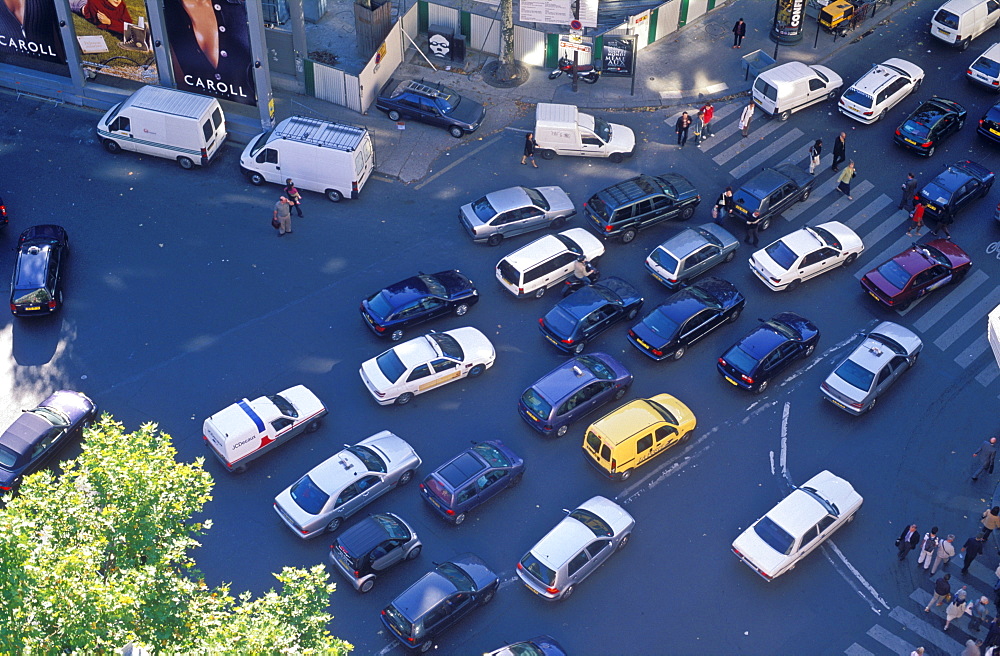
[(426, 362), (917, 271), (515, 211), (878, 90), (876, 363), (622, 210), (35, 437), (588, 312), (542, 645), (753, 361), (986, 69), (771, 192), (805, 254), (471, 478), (341, 485), (930, 124), (800, 522), (432, 103), (370, 547), (577, 546), (989, 124), (37, 285), (686, 317), (416, 300), (690, 253), (954, 188), (449, 592), (572, 390)]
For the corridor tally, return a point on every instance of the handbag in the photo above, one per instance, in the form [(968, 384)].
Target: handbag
[(275, 223)]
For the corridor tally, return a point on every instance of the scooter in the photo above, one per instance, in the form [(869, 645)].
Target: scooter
[(575, 283), (586, 72)]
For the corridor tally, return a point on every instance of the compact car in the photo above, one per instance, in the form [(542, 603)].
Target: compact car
[(985, 70), (432, 103), (805, 254), (954, 188), (341, 485), (771, 192), (989, 124), (470, 479), (767, 350), (371, 546), (931, 122), (588, 312), (542, 645), (690, 253), (622, 210), (413, 301), (515, 211), (917, 271), (880, 89), (36, 287)]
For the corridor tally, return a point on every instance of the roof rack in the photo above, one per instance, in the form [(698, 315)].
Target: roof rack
[(422, 87), (339, 136)]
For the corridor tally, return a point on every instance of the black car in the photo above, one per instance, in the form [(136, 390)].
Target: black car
[(935, 119), (769, 348), (989, 124), (954, 188), (431, 103), (439, 599), (686, 317), (588, 312), (372, 546), (771, 192), (36, 287), (416, 300), (623, 209), (37, 435)]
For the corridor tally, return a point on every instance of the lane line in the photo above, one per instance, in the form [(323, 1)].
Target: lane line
[(839, 202), (784, 440), (435, 176), (830, 545), (988, 374), (857, 650)]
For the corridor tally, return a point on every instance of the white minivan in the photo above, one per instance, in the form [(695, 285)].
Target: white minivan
[(547, 261), (958, 22), (986, 69), (787, 88)]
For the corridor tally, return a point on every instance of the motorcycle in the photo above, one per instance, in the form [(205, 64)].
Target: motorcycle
[(586, 72), (575, 283)]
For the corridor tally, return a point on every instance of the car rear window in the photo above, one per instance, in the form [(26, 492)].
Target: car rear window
[(560, 321), (776, 537), (593, 441), (541, 572), (946, 18), (7, 458), (993, 113), (894, 274), (536, 404), (747, 202), (399, 624), (598, 206), (460, 469), (390, 365), (665, 260), (855, 375), (309, 496), (31, 296), (859, 98), (483, 210), (596, 367), (492, 455), (986, 67), (781, 254), (509, 273), (740, 360), (661, 324), (379, 306), (597, 526), (913, 129), (440, 491), (766, 90)]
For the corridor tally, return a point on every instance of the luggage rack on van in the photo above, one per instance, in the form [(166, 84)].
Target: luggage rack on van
[(422, 88), (339, 136)]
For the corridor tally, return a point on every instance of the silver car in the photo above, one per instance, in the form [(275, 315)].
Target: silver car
[(690, 253), (872, 367), (338, 487), (514, 211), (575, 548)]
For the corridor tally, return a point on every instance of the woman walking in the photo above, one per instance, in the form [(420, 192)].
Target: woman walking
[(745, 117), (955, 610), (844, 180), (815, 151), (529, 149), (917, 216)]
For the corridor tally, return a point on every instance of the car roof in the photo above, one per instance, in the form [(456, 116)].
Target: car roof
[(404, 291), (761, 341), (913, 260), (585, 300), (362, 537), (24, 433), (416, 351), (561, 382), (803, 241), (931, 110), (427, 592), (681, 305), (684, 243), (871, 354), (621, 424), (549, 245), (764, 183), (460, 469), (509, 198)]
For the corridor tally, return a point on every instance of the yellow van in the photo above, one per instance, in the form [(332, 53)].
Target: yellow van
[(638, 431)]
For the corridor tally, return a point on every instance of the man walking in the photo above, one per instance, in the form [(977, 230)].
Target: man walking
[(973, 547), (739, 31), (707, 114), (980, 612), (839, 151), (945, 550), (942, 588), (908, 541), (991, 522), (989, 451), (752, 226), (909, 188), (745, 119), (681, 127), (283, 215), (927, 548)]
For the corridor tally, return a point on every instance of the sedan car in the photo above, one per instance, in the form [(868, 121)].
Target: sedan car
[(753, 361), (364, 551), (588, 312), (426, 362), (690, 253), (805, 254), (686, 317), (572, 390), (989, 124), (929, 124), (878, 90), (471, 478), (449, 592), (918, 270), (542, 645), (771, 192), (432, 103), (800, 522), (883, 356), (577, 546), (37, 284), (416, 300), (515, 211), (954, 188), (341, 485), (35, 437)]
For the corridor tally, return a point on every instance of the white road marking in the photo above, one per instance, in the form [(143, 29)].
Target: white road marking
[(666, 470), (454, 163), (784, 440), (868, 586)]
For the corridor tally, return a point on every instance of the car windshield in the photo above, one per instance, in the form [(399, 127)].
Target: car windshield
[(782, 329), (399, 624), (543, 573), (260, 143), (987, 67), (309, 496), (7, 458), (520, 649), (938, 256), (602, 128), (709, 237), (828, 237), (492, 455), (447, 99), (597, 526), (53, 416), (599, 207), (596, 367), (664, 260), (859, 98), (740, 359), (448, 345), (776, 537), (284, 407), (379, 306), (483, 210), (434, 286), (661, 324), (914, 129), (536, 404), (537, 199), (855, 375), (31, 296), (372, 461), (666, 414), (894, 274), (393, 527), (458, 578), (782, 255), (390, 365)]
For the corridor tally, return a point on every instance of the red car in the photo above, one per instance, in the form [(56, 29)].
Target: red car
[(916, 271)]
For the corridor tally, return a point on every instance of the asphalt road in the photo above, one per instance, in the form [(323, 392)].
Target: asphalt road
[(180, 299)]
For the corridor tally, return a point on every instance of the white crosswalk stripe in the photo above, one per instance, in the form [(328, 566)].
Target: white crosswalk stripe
[(757, 160)]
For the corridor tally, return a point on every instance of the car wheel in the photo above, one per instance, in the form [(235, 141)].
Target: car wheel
[(256, 179), (494, 240), (557, 223), (809, 350), (832, 94), (488, 597), (396, 335), (733, 316), (685, 437), (367, 585), (869, 408), (958, 275), (792, 285), (414, 552), (849, 260), (783, 116), (620, 393), (879, 117), (456, 131), (913, 358), (185, 163), (616, 158), (805, 195), (730, 256), (765, 224), (678, 353), (562, 430), (628, 235), (930, 151), (625, 539), (567, 593), (313, 426), (459, 518), (625, 475), (240, 469), (687, 213), (334, 196), (334, 524), (517, 479), (761, 386), (578, 349), (112, 146), (547, 154), (477, 371), (631, 313), (540, 292), (404, 398), (426, 647), (964, 45), (393, 115), (461, 309), (405, 478)]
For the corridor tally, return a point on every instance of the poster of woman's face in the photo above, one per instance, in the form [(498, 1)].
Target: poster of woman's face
[(29, 29), (114, 38)]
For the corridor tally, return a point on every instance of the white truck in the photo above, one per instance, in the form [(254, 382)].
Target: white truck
[(564, 130)]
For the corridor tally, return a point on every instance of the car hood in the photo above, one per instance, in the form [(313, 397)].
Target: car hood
[(394, 448), (805, 328), (795, 173), (626, 292), (74, 405), (468, 111), (557, 199), (720, 233), (591, 246), (682, 186), (477, 570), (304, 401), (849, 240), (475, 345)]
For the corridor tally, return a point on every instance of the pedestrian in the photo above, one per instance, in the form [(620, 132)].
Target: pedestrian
[(909, 188), (699, 127), (927, 548), (845, 180), (681, 127), (839, 151), (707, 114), (954, 611), (973, 547), (992, 633), (980, 613), (908, 540), (815, 151), (283, 215), (942, 592), (917, 219), (942, 221), (724, 206), (971, 648), (745, 119), (739, 31), (990, 522), (293, 196), (752, 226), (989, 450), (919, 651), (945, 550), (529, 149)]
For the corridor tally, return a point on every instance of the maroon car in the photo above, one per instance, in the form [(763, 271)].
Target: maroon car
[(916, 271)]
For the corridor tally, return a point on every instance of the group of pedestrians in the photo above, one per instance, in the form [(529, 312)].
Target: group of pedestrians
[(702, 123), (282, 217)]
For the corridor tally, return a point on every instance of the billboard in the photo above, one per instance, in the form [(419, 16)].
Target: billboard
[(29, 29), (618, 56), (559, 12), (114, 38), (788, 17)]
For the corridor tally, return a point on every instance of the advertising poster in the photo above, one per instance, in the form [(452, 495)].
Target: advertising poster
[(210, 48), (788, 16), (29, 29), (618, 56), (114, 38)]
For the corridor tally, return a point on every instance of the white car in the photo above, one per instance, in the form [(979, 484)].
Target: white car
[(427, 362), (800, 522), (805, 254), (986, 69), (880, 89)]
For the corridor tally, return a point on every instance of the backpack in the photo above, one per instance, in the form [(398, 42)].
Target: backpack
[(930, 544)]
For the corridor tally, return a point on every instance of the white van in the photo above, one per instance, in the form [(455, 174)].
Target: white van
[(986, 69), (563, 130), (787, 88), (335, 159), (178, 125), (546, 262), (958, 22)]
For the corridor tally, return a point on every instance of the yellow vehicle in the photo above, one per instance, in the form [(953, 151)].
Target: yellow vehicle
[(844, 14), (638, 431)]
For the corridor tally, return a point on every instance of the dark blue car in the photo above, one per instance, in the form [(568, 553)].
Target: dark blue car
[(416, 300), (588, 312), (542, 645), (571, 390), (763, 354), (471, 478)]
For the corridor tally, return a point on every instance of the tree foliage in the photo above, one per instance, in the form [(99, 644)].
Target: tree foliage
[(99, 556)]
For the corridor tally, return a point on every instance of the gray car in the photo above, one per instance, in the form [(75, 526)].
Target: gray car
[(690, 253), (876, 363), (514, 211)]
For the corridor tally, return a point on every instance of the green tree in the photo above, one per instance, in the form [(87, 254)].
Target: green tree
[(99, 556)]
